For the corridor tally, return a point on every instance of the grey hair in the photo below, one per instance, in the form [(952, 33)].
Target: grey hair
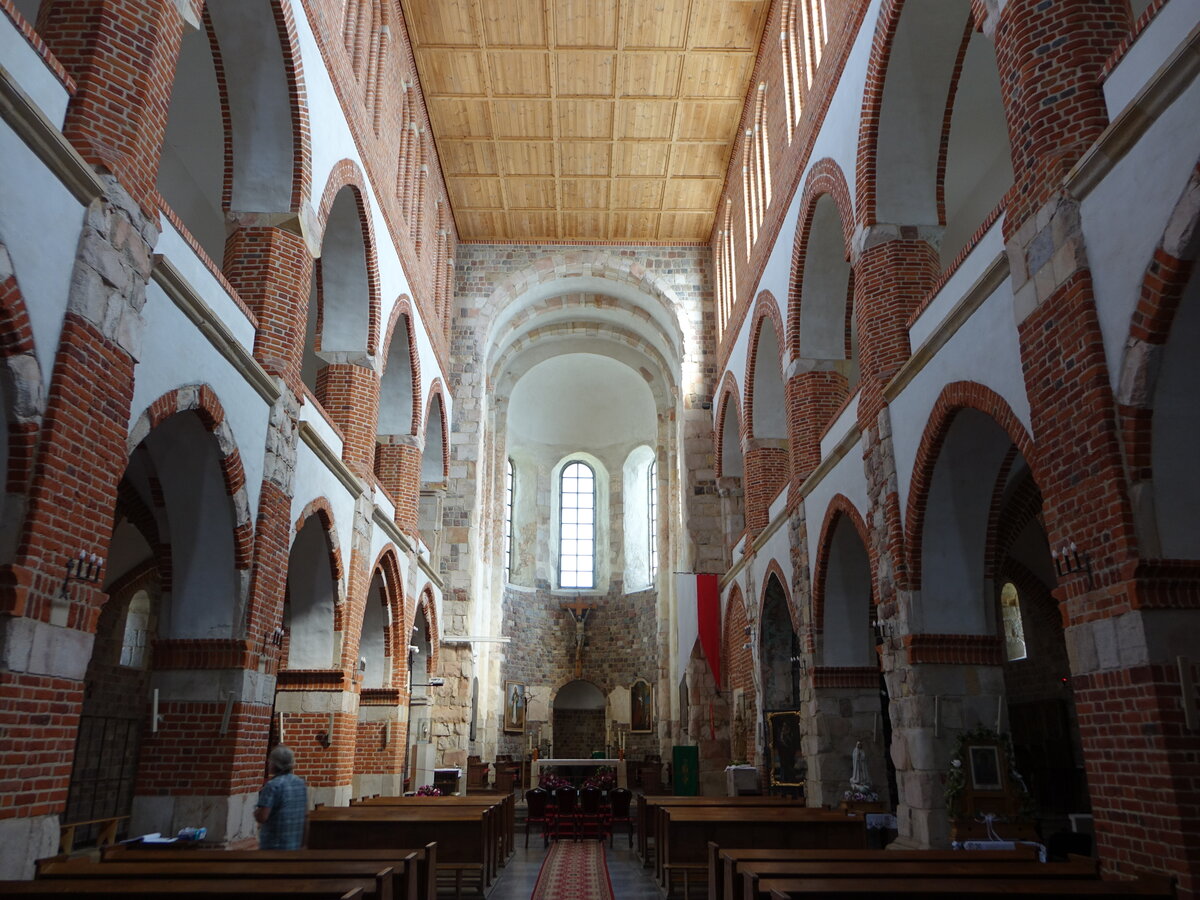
[(282, 759)]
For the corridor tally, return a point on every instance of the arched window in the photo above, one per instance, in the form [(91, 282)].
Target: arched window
[(577, 527), (138, 625), (508, 519), (652, 516), (1014, 630)]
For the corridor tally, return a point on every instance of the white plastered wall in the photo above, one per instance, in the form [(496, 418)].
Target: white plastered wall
[(847, 478)]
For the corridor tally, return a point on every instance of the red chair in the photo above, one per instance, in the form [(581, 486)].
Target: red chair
[(566, 812), (538, 802), (591, 817), (619, 800)]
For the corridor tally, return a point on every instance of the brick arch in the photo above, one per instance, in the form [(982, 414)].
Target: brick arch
[(729, 392), (387, 565), (201, 400), (323, 510), (21, 376), (825, 178), (436, 390), (403, 308), (347, 174), (766, 309), (776, 570), (1163, 284), (1024, 505), (425, 601), (839, 507), (868, 134), (954, 398)]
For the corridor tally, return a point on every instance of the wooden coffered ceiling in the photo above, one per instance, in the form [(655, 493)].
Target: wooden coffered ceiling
[(590, 120)]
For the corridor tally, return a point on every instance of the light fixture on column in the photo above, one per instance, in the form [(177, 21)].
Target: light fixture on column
[(1068, 560), (84, 567)]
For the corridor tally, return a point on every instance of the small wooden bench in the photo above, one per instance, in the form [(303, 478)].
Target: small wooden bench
[(190, 888), (106, 835), (972, 888), (426, 859), (723, 862)]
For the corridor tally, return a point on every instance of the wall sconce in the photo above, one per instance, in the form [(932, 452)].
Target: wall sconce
[(325, 738), (82, 567), (276, 636), (1069, 561), (884, 628)]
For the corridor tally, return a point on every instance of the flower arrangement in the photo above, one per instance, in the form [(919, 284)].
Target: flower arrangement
[(428, 790), (955, 780), (604, 779), (860, 796), (553, 782)]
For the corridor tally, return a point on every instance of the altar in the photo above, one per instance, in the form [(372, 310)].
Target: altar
[(618, 765)]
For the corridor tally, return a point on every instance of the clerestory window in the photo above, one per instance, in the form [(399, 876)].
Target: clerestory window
[(508, 520), (652, 515)]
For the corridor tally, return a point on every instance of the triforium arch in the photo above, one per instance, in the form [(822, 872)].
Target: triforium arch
[(21, 403), (917, 147), (238, 98), (1155, 394), (767, 331), (344, 216), (386, 650), (728, 401), (436, 457), (401, 369)]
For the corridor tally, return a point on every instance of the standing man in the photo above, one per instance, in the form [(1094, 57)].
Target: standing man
[(282, 804)]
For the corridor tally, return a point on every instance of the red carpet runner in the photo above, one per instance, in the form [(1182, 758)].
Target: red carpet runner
[(574, 870)]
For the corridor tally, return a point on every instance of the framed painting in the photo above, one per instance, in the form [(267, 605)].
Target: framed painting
[(641, 707), (786, 761), (985, 767), (514, 707)]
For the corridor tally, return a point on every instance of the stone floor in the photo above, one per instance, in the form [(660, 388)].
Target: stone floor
[(630, 881)]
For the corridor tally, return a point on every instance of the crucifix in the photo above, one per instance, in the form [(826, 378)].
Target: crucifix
[(579, 612)]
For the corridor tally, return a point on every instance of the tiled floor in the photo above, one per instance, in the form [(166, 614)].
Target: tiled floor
[(629, 880)]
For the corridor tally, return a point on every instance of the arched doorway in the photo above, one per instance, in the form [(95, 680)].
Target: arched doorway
[(578, 720)]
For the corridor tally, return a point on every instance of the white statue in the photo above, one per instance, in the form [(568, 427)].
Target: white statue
[(859, 777)]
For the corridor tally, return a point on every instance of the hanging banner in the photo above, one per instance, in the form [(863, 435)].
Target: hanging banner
[(708, 615), (698, 598)]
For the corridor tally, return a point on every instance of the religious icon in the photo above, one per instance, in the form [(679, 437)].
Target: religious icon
[(787, 763), (985, 768), (514, 707), (641, 708)]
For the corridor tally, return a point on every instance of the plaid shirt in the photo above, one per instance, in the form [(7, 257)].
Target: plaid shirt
[(287, 798)]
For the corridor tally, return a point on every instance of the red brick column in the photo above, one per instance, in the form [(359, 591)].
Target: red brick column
[(398, 468), (813, 399), (767, 470), (891, 277), (380, 742), (122, 56), (271, 269), (350, 394), (1050, 56)]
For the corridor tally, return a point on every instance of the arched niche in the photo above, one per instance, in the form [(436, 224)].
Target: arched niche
[(770, 405), (185, 460), (954, 598), (312, 593), (376, 627), (846, 637), (579, 725), (433, 468), (1175, 433), (343, 284), (778, 650), (639, 527), (827, 327), (396, 386)]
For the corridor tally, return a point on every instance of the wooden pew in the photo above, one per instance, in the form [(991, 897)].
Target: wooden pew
[(378, 883), (190, 888), (506, 803), (724, 862), (759, 879), (972, 888), (647, 812), (426, 859), (463, 835), (685, 832)]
